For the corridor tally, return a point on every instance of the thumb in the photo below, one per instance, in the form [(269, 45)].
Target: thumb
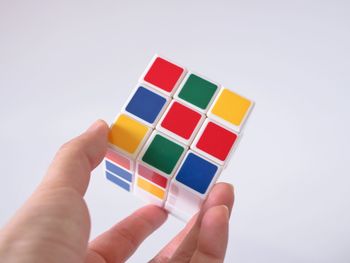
[(76, 159)]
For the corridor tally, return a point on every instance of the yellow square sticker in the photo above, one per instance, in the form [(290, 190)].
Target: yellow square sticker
[(231, 107), (127, 133), (147, 186)]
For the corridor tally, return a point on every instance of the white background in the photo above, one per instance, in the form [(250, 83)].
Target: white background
[(64, 64)]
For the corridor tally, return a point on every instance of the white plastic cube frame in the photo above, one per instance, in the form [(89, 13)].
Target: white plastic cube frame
[(178, 138), (176, 95), (160, 114), (169, 94), (139, 147), (209, 156), (183, 214), (147, 144), (177, 213), (229, 125), (182, 203)]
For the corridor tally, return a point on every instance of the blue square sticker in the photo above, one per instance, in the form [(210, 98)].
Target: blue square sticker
[(121, 183), (146, 104), (196, 173)]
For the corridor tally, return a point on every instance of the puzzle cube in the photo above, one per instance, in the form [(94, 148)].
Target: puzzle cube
[(174, 136)]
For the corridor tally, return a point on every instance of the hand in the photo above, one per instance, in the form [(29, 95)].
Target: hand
[(54, 224)]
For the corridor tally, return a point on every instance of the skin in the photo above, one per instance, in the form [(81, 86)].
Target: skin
[(54, 223)]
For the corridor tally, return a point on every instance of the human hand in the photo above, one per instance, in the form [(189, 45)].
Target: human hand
[(54, 224)]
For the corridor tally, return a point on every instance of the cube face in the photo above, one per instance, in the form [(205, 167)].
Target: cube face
[(215, 142), (164, 75), (128, 135), (180, 122), (146, 105), (197, 92), (197, 173), (230, 109), (163, 154), (149, 141)]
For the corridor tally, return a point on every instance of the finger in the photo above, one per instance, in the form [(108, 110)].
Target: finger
[(167, 252), (213, 236), (119, 243), (75, 160), (182, 246), (221, 194), (55, 218)]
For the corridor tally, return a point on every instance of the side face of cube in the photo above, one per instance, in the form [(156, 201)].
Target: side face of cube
[(156, 165), (150, 186), (119, 169), (182, 203), (126, 138)]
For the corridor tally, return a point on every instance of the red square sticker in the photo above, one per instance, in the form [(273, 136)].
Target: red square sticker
[(118, 159), (216, 141), (163, 74), (181, 120)]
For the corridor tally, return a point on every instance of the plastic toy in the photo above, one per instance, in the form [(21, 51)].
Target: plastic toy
[(174, 137)]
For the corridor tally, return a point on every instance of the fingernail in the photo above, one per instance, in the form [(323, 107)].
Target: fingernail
[(233, 188), (226, 211)]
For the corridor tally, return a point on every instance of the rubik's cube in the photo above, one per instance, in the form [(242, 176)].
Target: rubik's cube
[(174, 136)]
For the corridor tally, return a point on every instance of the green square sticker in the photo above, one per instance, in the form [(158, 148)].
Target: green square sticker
[(198, 91), (163, 154)]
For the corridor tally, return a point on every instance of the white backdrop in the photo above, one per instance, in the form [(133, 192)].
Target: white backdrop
[(64, 64)]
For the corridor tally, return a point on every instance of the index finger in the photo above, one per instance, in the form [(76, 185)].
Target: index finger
[(76, 159), (119, 243)]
